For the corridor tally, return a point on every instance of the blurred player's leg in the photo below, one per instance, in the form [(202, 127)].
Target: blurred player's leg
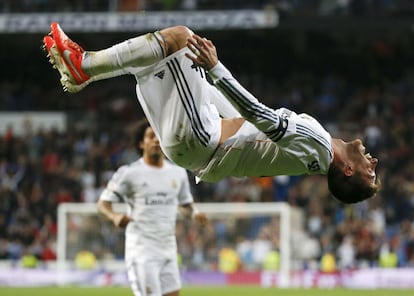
[(144, 277), (170, 278)]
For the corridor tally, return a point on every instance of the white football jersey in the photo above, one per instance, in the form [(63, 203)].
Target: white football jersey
[(304, 149), (152, 196), (185, 111), (270, 143)]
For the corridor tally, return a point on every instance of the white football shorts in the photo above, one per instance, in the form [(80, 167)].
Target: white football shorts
[(183, 108), (153, 277)]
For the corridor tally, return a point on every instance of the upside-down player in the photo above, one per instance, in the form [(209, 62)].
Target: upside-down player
[(220, 129)]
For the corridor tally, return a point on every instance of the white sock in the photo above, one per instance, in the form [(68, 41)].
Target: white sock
[(143, 50)]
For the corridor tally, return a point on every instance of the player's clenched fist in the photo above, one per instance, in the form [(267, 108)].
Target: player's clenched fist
[(121, 220), (201, 219)]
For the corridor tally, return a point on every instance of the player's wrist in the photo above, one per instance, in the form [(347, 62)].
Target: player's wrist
[(115, 217), (194, 213), (218, 71)]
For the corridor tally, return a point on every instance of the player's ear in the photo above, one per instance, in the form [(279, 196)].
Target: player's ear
[(348, 171), (140, 145)]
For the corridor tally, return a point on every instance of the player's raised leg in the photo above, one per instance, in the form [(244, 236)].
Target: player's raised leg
[(78, 67)]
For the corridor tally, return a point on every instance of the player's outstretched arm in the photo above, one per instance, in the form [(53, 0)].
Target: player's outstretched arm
[(204, 54)]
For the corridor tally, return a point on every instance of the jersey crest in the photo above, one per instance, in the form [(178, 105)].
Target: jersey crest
[(174, 183)]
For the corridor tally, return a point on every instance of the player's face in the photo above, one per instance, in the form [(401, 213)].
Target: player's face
[(363, 162), (150, 143)]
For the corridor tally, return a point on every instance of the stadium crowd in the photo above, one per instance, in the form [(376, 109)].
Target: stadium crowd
[(42, 168), (399, 8), (371, 96)]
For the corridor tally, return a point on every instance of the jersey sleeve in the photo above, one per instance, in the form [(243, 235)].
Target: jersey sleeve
[(185, 196), (115, 190), (264, 118)]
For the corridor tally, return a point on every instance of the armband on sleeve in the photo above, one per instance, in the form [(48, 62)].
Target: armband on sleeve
[(218, 71)]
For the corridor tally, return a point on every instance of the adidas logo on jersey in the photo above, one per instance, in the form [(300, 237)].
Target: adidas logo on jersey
[(160, 74), (314, 166)]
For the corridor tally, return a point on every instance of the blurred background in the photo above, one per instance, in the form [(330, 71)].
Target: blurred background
[(349, 63)]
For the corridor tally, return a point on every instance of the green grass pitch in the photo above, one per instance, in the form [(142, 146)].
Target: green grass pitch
[(202, 291)]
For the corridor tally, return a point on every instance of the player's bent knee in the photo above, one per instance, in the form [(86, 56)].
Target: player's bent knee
[(176, 38)]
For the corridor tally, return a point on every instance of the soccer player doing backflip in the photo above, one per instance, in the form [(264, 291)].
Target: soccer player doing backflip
[(206, 121)]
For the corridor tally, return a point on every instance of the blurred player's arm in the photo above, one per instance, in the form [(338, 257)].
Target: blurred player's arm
[(118, 219), (190, 211)]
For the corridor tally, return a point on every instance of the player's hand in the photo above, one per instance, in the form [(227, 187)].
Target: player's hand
[(201, 219), (121, 220), (205, 54)]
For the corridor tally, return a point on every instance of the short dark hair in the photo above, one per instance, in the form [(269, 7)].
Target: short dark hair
[(350, 189), (142, 126)]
